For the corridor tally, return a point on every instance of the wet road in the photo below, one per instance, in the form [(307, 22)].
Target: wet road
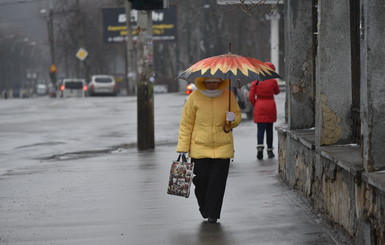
[(119, 196)]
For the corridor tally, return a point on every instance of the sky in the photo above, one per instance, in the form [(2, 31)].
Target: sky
[(23, 19)]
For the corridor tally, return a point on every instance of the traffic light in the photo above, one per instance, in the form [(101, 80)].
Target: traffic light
[(52, 74), (149, 4)]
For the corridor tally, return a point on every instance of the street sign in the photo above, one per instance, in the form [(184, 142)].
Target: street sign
[(82, 54), (226, 2)]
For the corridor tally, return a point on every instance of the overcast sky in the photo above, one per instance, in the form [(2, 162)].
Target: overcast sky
[(23, 18)]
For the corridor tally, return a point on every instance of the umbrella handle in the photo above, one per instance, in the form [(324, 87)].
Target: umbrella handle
[(229, 94), (227, 125)]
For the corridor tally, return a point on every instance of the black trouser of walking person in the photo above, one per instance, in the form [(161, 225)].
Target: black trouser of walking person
[(268, 127), (210, 184)]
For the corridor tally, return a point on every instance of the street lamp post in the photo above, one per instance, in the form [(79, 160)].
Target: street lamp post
[(49, 17)]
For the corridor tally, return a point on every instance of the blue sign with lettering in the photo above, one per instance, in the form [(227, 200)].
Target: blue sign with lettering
[(115, 29)]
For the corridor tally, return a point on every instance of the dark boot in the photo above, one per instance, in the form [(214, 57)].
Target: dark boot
[(270, 153), (212, 220), (260, 151)]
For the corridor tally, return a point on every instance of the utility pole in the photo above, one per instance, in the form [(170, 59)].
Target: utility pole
[(145, 78), (129, 47), (83, 69), (145, 71), (274, 38), (51, 35), (49, 15)]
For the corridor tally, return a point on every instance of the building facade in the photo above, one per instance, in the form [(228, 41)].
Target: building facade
[(331, 147)]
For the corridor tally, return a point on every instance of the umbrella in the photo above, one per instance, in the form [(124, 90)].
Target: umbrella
[(240, 70)]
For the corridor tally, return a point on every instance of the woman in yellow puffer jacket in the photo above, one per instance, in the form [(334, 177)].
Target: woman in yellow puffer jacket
[(201, 134)]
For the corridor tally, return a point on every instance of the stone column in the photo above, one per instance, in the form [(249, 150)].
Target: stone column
[(333, 74), (299, 68), (274, 38), (373, 83)]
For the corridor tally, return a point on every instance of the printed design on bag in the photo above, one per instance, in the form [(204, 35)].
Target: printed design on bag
[(181, 175)]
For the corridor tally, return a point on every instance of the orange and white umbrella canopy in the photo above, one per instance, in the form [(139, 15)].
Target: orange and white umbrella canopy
[(230, 66)]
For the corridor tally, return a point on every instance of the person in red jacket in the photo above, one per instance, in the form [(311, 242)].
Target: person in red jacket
[(261, 96)]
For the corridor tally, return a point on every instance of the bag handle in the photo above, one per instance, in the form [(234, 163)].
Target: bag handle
[(184, 159)]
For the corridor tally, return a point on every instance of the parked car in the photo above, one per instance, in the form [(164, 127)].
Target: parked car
[(72, 87), (41, 89), (160, 88), (190, 88), (103, 85)]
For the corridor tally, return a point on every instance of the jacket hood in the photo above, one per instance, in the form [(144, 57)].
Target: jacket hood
[(199, 83)]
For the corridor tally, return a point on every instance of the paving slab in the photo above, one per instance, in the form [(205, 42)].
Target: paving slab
[(115, 194), (120, 198)]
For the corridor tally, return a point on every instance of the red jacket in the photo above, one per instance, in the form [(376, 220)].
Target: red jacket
[(261, 95)]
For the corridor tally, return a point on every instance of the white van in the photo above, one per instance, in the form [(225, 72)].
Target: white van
[(73, 87)]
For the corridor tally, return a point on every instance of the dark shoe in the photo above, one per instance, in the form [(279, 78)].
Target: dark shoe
[(212, 220), (270, 153), (260, 152), (260, 155)]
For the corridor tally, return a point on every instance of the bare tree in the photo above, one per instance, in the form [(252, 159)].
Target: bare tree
[(203, 29)]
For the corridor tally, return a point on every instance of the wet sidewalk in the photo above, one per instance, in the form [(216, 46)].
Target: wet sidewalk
[(120, 198)]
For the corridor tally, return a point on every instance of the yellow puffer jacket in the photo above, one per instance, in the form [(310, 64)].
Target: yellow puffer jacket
[(201, 127)]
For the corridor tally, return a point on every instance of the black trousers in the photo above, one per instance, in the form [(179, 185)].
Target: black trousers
[(268, 127), (210, 184)]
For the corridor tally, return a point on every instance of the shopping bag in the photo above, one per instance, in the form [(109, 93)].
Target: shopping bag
[(181, 175)]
